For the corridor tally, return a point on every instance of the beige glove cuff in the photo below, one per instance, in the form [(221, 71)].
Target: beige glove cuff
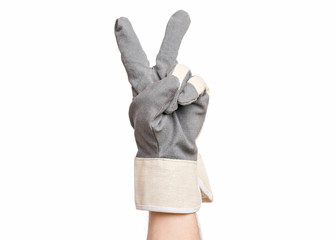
[(170, 185)]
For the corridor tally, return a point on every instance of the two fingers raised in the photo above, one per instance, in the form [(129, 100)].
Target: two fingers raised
[(134, 57)]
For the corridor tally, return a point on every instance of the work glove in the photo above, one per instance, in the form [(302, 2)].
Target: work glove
[(167, 113)]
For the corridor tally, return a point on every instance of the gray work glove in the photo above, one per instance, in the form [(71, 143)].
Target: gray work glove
[(167, 113)]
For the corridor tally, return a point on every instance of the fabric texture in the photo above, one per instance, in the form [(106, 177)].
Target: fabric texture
[(167, 113), (166, 184)]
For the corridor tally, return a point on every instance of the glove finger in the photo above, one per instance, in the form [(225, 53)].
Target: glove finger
[(196, 86), (176, 28), (183, 73), (194, 101), (153, 101), (132, 54), (192, 116)]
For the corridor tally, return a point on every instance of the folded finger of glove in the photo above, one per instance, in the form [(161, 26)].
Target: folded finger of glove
[(153, 101), (191, 88)]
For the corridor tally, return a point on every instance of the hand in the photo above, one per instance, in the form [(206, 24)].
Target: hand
[(167, 113)]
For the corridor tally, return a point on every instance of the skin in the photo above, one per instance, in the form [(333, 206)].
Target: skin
[(169, 226)]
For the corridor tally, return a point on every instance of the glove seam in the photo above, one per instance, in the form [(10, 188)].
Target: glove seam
[(166, 159), (167, 209), (205, 190), (153, 133), (134, 79)]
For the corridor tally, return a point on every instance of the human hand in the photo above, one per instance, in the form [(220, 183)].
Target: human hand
[(167, 113)]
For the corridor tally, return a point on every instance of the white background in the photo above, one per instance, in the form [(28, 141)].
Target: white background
[(269, 141)]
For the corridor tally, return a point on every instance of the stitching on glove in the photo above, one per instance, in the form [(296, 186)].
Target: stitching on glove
[(166, 159)]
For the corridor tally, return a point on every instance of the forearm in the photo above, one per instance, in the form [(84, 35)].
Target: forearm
[(170, 226)]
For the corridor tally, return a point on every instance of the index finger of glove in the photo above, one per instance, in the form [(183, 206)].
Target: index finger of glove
[(132, 54)]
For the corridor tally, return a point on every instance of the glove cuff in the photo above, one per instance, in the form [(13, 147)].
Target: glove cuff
[(170, 185), (203, 181)]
